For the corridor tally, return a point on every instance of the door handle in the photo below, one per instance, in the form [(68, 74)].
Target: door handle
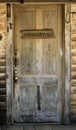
[(15, 73)]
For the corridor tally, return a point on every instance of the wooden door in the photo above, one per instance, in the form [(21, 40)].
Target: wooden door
[(37, 63)]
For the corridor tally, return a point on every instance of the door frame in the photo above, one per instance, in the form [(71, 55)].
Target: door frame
[(66, 64)]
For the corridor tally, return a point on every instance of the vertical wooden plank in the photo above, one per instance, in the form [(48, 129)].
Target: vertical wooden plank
[(60, 65), (50, 46), (24, 95), (16, 47), (9, 70), (38, 43), (27, 46), (67, 64), (38, 56)]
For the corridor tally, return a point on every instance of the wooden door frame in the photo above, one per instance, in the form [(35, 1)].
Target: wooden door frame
[(66, 66)]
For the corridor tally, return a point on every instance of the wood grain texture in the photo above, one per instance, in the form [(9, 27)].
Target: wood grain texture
[(67, 65), (9, 72), (73, 65), (37, 92)]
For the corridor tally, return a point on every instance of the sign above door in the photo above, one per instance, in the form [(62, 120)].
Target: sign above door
[(37, 33)]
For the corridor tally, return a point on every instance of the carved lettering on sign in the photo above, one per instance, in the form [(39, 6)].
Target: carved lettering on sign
[(37, 33)]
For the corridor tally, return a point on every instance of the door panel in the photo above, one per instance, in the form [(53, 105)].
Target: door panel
[(28, 96), (37, 65), (50, 46), (49, 94), (27, 46), (27, 57)]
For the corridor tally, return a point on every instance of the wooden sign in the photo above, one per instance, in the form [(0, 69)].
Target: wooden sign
[(37, 33)]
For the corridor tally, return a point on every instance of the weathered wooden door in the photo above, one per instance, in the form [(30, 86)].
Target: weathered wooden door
[(37, 63)]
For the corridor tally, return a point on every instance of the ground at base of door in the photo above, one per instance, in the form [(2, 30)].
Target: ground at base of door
[(38, 127)]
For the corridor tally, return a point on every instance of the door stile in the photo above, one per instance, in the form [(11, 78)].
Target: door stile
[(60, 56), (39, 57)]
